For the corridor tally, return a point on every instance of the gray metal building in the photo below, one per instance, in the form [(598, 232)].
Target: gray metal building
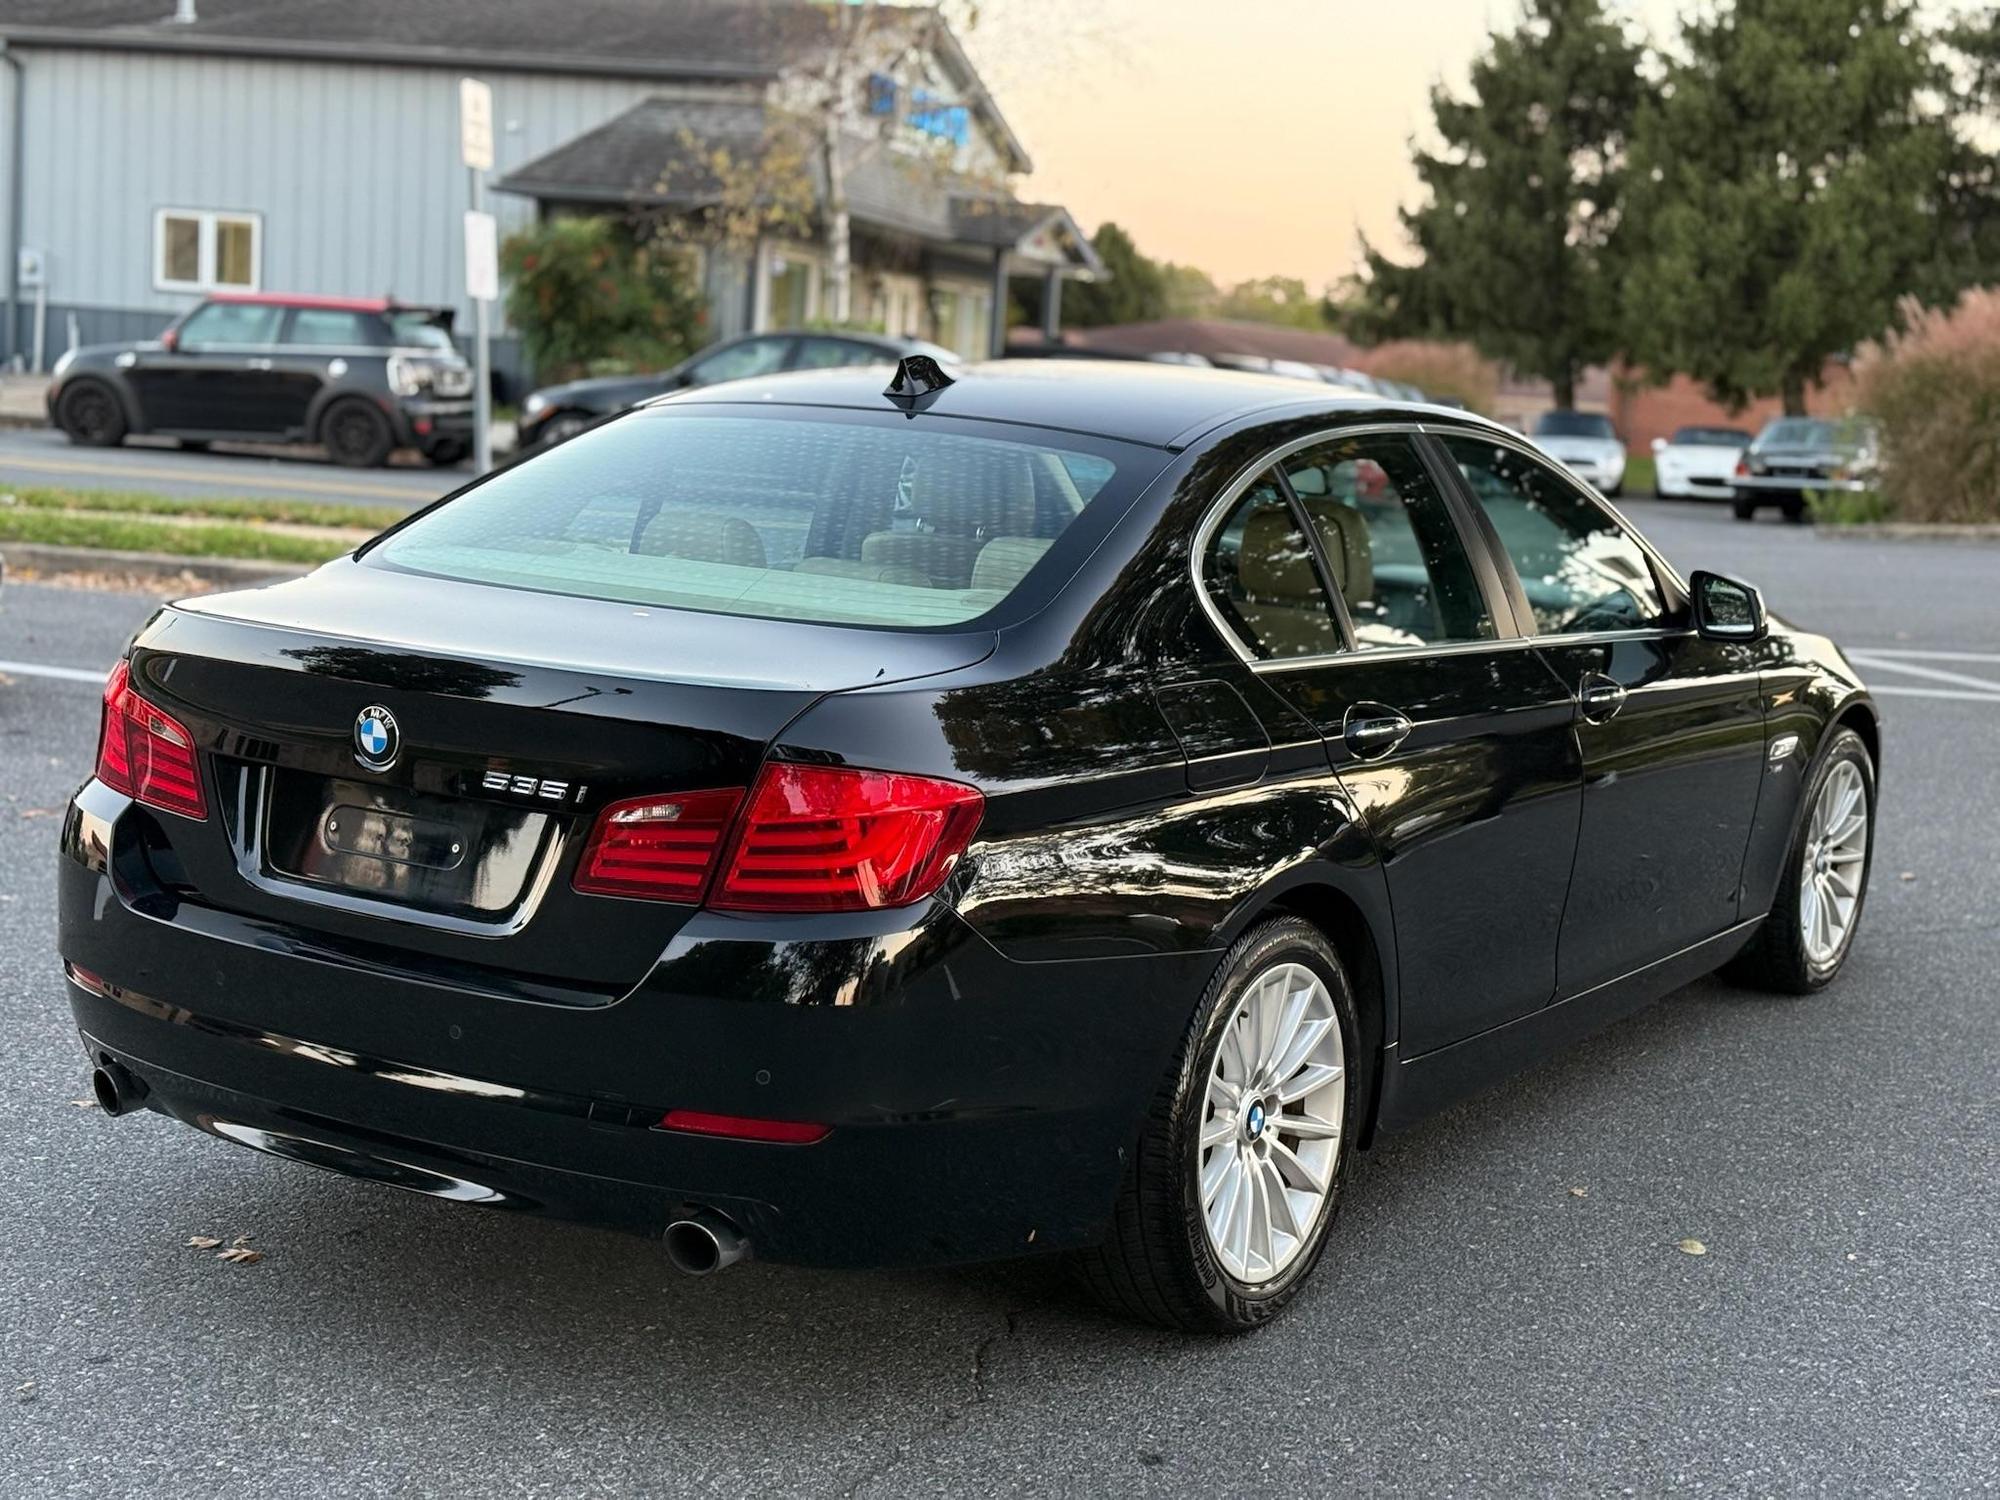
[(298, 146)]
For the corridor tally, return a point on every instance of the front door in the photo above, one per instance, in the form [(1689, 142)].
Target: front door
[(1670, 725), (204, 380), (1455, 740)]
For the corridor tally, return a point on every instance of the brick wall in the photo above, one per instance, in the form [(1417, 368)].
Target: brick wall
[(1643, 412)]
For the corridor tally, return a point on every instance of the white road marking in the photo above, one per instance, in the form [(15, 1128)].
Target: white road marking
[(1901, 651), (1932, 674), (1891, 691), (58, 674)]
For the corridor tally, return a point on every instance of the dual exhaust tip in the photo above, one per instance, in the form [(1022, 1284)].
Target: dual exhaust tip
[(699, 1245), (703, 1243)]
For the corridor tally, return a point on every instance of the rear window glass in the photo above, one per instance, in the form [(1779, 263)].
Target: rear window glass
[(1579, 424), (420, 330), (841, 522)]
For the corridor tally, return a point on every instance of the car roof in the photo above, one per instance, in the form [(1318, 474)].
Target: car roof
[(1167, 406), (328, 304)]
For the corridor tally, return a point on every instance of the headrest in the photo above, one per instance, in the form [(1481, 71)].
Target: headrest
[(1343, 531), (1004, 561), (703, 536), (962, 489), (1275, 564)]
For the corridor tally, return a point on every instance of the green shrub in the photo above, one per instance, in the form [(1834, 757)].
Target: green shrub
[(1850, 508), (1933, 383), (586, 298)]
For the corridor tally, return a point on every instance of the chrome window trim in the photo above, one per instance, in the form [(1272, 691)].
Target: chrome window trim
[(1241, 481)]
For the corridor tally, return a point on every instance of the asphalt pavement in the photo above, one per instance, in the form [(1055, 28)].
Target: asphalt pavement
[(1504, 1309), (43, 456)]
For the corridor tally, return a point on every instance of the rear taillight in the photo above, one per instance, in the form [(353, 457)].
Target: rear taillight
[(661, 848), (745, 1128), (829, 838), (145, 753)]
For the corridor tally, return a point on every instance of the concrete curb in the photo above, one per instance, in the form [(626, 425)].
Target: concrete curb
[(1912, 531), (41, 557)]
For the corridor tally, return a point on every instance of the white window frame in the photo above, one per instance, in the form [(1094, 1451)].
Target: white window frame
[(207, 219)]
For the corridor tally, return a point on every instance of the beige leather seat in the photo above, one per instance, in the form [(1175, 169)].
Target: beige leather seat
[(1281, 598), (961, 497), (1004, 561), (702, 536), (1343, 532)]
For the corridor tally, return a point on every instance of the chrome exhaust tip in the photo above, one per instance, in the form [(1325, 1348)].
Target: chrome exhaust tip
[(703, 1244), (116, 1091)]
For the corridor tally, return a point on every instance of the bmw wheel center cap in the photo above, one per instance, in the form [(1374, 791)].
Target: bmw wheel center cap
[(1256, 1119), (376, 738)]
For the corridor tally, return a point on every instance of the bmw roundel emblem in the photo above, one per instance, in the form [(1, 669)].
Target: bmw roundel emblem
[(376, 737), (1256, 1120)]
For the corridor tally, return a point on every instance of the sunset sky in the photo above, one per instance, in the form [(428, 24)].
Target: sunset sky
[(1249, 138)]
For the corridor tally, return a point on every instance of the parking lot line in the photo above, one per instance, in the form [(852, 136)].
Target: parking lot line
[(58, 674), (1931, 674), (1960, 694), (1912, 655)]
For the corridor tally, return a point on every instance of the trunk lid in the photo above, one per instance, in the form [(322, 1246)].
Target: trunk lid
[(442, 833)]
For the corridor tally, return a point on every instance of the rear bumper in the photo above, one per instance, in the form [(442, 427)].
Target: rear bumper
[(428, 425), (1774, 486), (979, 1108)]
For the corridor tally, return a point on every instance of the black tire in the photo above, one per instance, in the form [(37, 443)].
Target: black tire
[(561, 427), (1795, 512), (1743, 510), (91, 415), (1615, 491), (356, 434), (1776, 959), (1156, 1264)]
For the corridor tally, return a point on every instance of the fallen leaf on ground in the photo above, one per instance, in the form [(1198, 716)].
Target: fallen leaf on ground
[(1907, 875), (236, 1255), (203, 1242), (1693, 1247), (1579, 1192), (241, 1239), (84, 1103)]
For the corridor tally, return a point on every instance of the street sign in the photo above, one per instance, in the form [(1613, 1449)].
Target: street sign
[(475, 124), (482, 257)]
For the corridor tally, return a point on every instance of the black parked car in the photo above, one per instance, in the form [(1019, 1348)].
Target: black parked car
[(1069, 810), (556, 413), (363, 376), (1795, 458)]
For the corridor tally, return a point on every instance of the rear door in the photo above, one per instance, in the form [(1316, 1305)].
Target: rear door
[(1453, 738), (1670, 725), (318, 345)]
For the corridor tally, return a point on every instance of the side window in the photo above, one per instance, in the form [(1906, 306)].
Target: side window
[(1579, 568), (1259, 573), (740, 361), (1397, 558), (330, 328), (231, 324), (827, 354)]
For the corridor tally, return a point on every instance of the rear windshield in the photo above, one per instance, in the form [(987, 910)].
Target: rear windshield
[(903, 523), (1581, 424), (1710, 437), (420, 330)]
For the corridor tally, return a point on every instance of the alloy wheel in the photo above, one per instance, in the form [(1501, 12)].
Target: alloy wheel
[(1271, 1125), (1836, 855)]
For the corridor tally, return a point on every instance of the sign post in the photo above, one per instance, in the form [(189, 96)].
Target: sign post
[(482, 256)]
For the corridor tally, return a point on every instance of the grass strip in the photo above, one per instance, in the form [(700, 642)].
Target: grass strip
[(120, 533), (248, 511)]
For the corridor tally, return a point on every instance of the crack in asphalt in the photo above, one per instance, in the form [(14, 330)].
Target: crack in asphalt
[(982, 1393)]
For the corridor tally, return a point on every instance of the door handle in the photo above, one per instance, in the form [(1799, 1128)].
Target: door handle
[(1600, 698), (1371, 730)]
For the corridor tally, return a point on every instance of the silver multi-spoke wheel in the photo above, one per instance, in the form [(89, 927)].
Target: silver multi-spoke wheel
[(1271, 1123), (1836, 858)]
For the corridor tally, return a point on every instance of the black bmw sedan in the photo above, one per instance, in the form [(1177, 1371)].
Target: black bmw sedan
[(1068, 809)]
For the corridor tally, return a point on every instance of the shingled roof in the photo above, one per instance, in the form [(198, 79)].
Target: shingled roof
[(664, 39)]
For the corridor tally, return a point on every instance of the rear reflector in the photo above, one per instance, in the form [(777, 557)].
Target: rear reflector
[(830, 838), (743, 1128), (146, 753), (661, 848)]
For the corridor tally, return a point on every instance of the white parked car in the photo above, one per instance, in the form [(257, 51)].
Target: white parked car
[(1587, 444), (1698, 463)]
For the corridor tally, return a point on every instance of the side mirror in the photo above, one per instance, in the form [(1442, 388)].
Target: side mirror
[(1725, 610), (1659, 445), (170, 340)]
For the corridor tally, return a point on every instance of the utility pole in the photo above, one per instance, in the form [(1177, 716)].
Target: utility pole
[(482, 257)]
